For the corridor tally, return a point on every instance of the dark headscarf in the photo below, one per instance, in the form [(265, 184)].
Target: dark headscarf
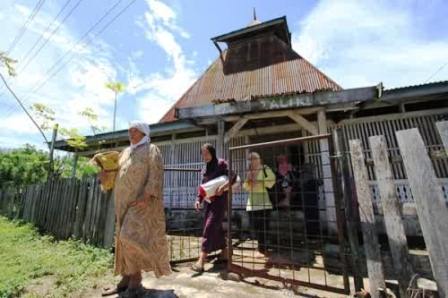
[(211, 165)]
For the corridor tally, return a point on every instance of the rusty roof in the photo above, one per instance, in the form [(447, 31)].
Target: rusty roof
[(260, 65)]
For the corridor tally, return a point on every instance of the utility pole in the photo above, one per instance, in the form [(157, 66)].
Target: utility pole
[(53, 140)]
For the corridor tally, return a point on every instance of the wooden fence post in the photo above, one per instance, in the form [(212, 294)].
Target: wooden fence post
[(442, 127), (371, 245), (109, 222), (392, 213), (431, 207)]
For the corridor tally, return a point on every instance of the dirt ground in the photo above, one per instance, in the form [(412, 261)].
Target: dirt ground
[(215, 283)]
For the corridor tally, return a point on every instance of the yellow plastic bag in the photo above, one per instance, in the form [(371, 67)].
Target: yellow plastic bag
[(108, 162)]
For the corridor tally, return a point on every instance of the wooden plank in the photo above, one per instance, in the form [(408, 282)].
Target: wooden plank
[(58, 208), (88, 205), (442, 127), (34, 195), (235, 128), (62, 200), (78, 186), (69, 209), (97, 228), (26, 203), (371, 245), (392, 213), (109, 228), (48, 223), (80, 210), (87, 231), (351, 220), (431, 207), (96, 213), (104, 204), (55, 209), (279, 103), (300, 120)]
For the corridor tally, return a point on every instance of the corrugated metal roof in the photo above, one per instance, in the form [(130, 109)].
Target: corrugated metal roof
[(431, 84), (259, 66)]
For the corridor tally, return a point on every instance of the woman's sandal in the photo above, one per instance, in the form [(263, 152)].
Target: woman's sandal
[(195, 267), (114, 290)]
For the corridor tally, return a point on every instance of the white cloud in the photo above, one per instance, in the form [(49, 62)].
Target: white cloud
[(158, 91), (79, 84), (360, 43)]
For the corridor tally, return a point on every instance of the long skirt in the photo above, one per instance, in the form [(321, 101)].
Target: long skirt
[(213, 235)]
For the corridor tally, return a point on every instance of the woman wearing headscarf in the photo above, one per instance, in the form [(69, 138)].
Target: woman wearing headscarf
[(259, 179), (140, 243), (213, 236)]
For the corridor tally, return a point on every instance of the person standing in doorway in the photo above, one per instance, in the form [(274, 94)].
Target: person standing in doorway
[(259, 178)]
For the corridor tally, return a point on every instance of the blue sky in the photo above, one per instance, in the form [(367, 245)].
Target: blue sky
[(159, 47)]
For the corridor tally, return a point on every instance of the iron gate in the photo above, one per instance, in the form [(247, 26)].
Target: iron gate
[(300, 239)]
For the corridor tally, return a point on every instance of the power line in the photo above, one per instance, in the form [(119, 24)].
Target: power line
[(24, 27), (38, 87), (26, 56), (51, 34), (436, 72), (87, 43), (85, 35), (48, 37)]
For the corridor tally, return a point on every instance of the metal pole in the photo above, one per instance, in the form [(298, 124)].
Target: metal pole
[(229, 216)]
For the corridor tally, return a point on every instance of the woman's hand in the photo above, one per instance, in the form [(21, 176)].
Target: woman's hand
[(102, 175), (197, 206), (141, 204), (223, 188), (220, 191)]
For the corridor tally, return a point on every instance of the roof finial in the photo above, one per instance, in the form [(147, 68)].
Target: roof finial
[(255, 21)]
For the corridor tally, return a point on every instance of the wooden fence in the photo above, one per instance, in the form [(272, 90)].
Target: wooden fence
[(430, 205), (65, 208)]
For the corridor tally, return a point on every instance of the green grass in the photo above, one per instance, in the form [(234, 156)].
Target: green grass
[(27, 257)]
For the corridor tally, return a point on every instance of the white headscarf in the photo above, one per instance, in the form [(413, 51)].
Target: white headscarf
[(144, 128)]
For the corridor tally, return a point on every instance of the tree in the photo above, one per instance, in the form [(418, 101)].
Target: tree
[(27, 165), (91, 117), (116, 87), (8, 63), (45, 115), (23, 166)]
